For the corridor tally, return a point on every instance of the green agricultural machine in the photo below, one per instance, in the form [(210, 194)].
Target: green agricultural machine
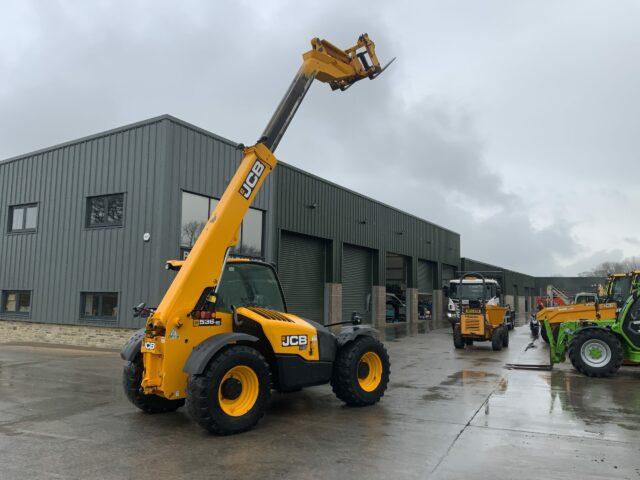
[(598, 348)]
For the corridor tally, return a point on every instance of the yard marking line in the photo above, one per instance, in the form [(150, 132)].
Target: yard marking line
[(464, 428)]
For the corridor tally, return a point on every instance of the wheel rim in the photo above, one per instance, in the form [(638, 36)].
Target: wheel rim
[(595, 353), (369, 371), (238, 391)]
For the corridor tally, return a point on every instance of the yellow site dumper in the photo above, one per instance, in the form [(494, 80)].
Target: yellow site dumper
[(479, 322)]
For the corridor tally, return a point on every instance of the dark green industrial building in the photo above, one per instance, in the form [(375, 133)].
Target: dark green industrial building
[(88, 225), (86, 228)]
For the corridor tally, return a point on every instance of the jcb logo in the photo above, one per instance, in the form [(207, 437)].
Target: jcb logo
[(295, 341), (252, 179)]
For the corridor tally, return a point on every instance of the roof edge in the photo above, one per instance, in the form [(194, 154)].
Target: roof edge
[(93, 136), (365, 197)]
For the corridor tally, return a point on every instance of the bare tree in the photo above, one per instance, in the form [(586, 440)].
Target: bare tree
[(190, 232), (607, 268)]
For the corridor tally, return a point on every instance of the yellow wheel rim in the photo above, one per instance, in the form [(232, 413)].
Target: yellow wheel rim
[(369, 371), (238, 391)]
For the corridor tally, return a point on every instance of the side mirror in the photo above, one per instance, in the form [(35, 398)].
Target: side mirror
[(498, 291), (138, 310), (356, 319), (445, 290)]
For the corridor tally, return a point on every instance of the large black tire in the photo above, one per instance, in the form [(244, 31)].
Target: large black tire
[(203, 403), (496, 339), (505, 337), (543, 333), (347, 372), (535, 330), (131, 381), (596, 352), (458, 341)]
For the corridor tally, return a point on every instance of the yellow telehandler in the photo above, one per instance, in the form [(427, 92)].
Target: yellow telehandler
[(222, 336)]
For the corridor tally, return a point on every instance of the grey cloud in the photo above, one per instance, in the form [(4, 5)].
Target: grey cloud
[(479, 126)]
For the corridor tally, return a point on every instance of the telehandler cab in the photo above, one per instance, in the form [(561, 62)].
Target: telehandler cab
[(222, 336), (479, 321)]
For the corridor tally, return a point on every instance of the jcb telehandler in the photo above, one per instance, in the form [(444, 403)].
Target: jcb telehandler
[(479, 321), (222, 336)]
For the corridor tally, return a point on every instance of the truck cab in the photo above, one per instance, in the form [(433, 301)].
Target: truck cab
[(470, 290)]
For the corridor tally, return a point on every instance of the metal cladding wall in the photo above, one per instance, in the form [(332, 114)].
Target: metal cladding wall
[(150, 162), (203, 163), (64, 258), (508, 279), (569, 285), (313, 206)]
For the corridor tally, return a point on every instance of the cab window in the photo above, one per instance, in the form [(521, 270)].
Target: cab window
[(249, 285)]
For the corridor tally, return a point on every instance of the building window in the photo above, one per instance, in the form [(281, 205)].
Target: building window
[(16, 302), (105, 211), (102, 306), (197, 209), (250, 243), (23, 218)]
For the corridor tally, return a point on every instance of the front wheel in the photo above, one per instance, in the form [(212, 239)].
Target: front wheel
[(505, 337), (496, 339), (232, 393), (596, 352), (361, 372), (131, 382), (458, 340)]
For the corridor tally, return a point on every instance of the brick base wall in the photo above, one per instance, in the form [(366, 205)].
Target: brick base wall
[(75, 335)]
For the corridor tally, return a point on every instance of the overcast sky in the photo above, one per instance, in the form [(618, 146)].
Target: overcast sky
[(516, 124)]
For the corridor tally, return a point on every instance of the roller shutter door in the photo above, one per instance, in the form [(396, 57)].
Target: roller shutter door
[(301, 266), (448, 273), (357, 278), (426, 276)]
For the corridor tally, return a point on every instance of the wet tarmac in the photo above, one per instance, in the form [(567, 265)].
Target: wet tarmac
[(447, 415)]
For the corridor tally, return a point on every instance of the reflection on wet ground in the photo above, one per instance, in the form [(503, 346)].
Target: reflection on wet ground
[(448, 414)]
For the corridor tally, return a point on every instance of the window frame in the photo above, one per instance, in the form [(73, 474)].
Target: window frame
[(104, 318), (184, 251), (24, 207), (87, 215), (3, 298), (262, 232)]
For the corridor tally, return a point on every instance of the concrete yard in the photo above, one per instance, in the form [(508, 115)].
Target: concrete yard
[(447, 415)]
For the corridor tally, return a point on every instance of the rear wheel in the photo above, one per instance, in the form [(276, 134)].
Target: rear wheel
[(458, 341), (596, 352), (131, 382), (361, 372), (496, 339), (232, 393)]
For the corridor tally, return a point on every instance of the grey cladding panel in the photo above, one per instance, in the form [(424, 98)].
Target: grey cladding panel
[(64, 258), (307, 204)]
